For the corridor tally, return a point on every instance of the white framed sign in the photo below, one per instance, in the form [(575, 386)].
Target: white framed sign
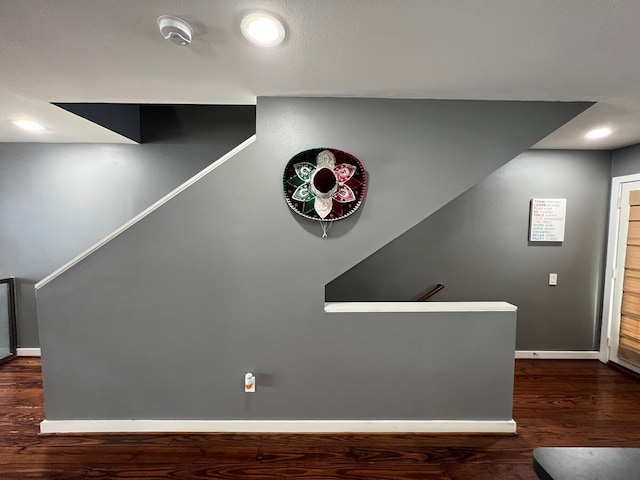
[(546, 223)]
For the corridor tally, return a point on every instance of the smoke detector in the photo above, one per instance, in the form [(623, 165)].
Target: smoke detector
[(175, 30)]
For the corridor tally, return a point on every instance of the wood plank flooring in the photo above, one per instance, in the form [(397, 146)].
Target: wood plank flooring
[(557, 403)]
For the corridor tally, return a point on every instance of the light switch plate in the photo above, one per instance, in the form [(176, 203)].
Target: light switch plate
[(553, 279)]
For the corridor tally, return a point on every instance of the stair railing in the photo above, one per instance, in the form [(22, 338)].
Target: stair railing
[(431, 293)]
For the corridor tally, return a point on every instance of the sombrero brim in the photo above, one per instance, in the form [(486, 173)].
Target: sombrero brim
[(348, 185)]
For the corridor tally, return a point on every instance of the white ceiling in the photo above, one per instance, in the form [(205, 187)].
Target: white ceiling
[(112, 51)]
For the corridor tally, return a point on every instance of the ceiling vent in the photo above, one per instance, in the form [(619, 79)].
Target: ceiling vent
[(175, 30)]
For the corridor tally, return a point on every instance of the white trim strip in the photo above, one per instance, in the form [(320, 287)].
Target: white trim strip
[(28, 352), (535, 354), (558, 354), (146, 212), (388, 307), (278, 426)]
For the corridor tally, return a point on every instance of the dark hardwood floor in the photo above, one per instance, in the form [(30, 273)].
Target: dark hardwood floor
[(557, 403)]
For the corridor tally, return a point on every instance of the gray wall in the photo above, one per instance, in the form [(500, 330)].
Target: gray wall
[(164, 321), (477, 246), (56, 200), (626, 161)]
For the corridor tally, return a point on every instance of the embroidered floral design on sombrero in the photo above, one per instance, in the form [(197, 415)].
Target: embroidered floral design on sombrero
[(324, 184)]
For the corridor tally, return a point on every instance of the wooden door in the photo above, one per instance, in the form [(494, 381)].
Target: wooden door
[(625, 341)]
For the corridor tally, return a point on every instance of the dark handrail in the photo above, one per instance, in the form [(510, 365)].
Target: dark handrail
[(431, 293)]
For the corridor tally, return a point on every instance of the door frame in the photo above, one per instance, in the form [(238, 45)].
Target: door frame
[(12, 313), (612, 257)]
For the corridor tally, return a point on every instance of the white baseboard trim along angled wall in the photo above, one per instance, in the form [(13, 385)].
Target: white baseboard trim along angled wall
[(175, 192), (277, 426)]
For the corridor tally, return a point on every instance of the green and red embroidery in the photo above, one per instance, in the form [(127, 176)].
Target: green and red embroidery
[(324, 184)]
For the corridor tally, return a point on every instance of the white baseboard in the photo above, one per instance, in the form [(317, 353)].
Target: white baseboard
[(541, 354), (28, 352), (558, 354), (277, 426)]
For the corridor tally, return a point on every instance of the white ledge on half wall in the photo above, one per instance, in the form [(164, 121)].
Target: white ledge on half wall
[(387, 307)]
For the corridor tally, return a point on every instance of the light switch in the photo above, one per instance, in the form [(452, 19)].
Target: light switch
[(553, 279)]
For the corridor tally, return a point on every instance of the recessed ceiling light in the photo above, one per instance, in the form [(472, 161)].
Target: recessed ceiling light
[(598, 133), (262, 29), (28, 125)]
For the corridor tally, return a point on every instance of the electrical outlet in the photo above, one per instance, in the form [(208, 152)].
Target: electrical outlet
[(249, 383)]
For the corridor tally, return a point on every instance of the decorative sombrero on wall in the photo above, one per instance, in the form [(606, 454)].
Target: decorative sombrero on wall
[(324, 184)]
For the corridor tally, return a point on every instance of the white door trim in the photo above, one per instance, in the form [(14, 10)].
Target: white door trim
[(612, 257)]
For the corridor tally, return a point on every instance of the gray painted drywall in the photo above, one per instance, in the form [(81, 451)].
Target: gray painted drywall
[(477, 246), (56, 200), (164, 321), (626, 161)]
